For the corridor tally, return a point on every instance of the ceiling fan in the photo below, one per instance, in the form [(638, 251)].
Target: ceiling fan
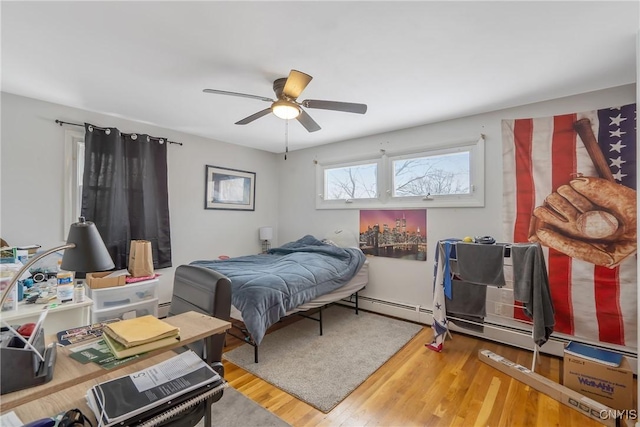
[(286, 104)]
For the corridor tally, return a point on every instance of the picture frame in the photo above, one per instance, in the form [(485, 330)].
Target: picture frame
[(229, 189)]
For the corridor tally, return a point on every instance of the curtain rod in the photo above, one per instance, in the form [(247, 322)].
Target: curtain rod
[(60, 122)]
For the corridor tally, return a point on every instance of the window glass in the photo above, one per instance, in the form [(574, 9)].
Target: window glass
[(73, 174), (438, 175), (351, 182), (447, 175)]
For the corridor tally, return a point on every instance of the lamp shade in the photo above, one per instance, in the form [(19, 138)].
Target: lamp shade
[(90, 253), (266, 233)]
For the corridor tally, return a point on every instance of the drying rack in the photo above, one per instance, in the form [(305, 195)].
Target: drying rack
[(507, 254)]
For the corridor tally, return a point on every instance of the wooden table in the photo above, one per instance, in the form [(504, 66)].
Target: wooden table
[(71, 379)]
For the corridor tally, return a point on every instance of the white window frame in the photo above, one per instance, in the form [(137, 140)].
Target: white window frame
[(475, 198), (385, 180), (321, 203), (73, 148)]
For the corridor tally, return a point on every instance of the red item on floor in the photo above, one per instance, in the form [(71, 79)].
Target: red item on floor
[(432, 346)]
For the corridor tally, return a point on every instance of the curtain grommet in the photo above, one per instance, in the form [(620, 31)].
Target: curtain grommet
[(161, 141), (134, 136), (90, 128), (107, 131)]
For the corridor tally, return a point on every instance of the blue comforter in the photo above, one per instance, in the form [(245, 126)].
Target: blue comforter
[(265, 287)]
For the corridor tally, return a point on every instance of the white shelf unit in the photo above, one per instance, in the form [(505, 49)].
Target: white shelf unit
[(124, 302), (62, 316)]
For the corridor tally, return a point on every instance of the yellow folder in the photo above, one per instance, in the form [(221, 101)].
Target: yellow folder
[(120, 351), (140, 330)]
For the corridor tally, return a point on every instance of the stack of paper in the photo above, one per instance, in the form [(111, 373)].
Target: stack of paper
[(139, 335), (166, 388)]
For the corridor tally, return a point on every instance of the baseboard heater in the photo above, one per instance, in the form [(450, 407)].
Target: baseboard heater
[(498, 332)]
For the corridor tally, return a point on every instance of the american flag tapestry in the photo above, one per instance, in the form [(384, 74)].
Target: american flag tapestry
[(570, 184)]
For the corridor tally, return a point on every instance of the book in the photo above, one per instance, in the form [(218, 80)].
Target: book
[(83, 333), (123, 400), (120, 351), (140, 330), (594, 354)]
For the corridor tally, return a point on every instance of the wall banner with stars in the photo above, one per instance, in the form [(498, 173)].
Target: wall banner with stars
[(570, 184)]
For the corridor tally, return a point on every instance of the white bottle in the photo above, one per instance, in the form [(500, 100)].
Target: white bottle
[(78, 293)]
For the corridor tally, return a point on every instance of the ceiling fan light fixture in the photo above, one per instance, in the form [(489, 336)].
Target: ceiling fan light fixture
[(285, 109)]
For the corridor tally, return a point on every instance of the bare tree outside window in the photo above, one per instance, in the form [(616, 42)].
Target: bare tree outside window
[(435, 175), (352, 182)]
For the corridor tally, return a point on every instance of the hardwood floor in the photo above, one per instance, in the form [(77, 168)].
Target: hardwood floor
[(419, 387)]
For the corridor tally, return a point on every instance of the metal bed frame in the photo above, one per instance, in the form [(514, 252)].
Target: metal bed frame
[(237, 325)]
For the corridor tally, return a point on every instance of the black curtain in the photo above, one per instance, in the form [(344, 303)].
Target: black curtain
[(124, 192)]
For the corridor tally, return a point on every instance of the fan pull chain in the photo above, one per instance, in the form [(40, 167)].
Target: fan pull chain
[(286, 138)]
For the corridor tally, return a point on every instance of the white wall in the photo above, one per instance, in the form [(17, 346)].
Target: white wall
[(31, 178), (404, 281), (31, 181)]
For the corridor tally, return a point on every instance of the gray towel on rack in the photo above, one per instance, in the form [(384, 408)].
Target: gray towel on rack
[(531, 287), (480, 264), (468, 303)]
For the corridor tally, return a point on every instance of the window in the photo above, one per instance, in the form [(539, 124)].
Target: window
[(354, 182), (441, 177), (73, 172), (351, 182)]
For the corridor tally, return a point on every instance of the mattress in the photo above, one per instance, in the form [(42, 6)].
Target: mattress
[(356, 284)]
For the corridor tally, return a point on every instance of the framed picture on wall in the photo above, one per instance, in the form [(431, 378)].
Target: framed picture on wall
[(229, 189)]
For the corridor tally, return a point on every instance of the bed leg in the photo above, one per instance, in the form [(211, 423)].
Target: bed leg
[(356, 303), (255, 353), (320, 318)]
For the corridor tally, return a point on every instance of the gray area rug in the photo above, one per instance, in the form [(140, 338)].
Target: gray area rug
[(323, 370), (234, 409)]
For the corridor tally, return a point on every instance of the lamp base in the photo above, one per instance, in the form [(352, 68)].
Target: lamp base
[(266, 245)]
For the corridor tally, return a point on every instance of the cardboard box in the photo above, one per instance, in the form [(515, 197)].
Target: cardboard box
[(583, 404), (98, 280), (612, 386)]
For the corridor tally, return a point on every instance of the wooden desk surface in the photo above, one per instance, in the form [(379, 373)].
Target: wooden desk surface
[(74, 397), (68, 372)]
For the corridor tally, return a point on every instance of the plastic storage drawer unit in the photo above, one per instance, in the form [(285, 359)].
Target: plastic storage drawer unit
[(117, 296), (128, 311)]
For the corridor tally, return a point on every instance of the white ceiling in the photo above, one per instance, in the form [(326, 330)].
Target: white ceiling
[(412, 63)]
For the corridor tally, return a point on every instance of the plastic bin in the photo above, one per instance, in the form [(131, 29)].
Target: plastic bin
[(110, 298), (127, 311)]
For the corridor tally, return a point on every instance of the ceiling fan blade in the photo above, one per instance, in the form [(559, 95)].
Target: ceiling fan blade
[(244, 95), (296, 82), (348, 107), (253, 117), (306, 121)]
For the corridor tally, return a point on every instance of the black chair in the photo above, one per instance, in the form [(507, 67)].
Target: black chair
[(209, 292)]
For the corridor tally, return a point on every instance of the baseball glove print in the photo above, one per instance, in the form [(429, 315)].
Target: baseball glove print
[(592, 219)]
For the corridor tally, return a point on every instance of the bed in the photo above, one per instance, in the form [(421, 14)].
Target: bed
[(291, 279)]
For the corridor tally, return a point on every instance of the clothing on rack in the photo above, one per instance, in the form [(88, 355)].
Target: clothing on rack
[(468, 302), (531, 287), (445, 289), (439, 324), (481, 264)]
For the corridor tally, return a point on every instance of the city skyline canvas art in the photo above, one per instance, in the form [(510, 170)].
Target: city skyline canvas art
[(399, 233)]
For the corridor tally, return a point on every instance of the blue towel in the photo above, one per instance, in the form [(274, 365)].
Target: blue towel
[(447, 269)]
